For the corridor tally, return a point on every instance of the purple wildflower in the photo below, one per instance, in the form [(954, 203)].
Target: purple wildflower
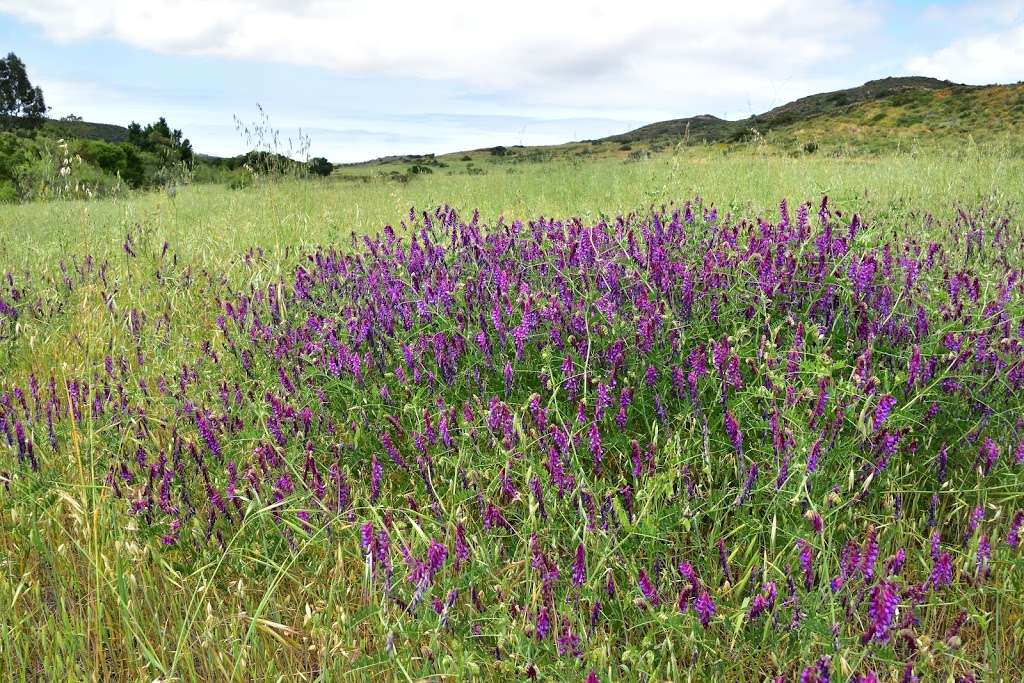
[(748, 485), (806, 562), (206, 431), (704, 606), (882, 611), (984, 556), (942, 571), (647, 588), (732, 429), (883, 410), (579, 566), (543, 624), (596, 449), (869, 555), (376, 470), (1013, 537)]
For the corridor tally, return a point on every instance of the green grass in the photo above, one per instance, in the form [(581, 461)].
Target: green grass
[(85, 598), (211, 223)]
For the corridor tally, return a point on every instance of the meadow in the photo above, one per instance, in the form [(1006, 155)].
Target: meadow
[(702, 416)]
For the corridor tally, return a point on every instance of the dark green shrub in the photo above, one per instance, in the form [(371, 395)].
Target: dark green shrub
[(320, 166)]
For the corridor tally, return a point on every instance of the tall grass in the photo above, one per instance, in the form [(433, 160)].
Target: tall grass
[(88, 595)]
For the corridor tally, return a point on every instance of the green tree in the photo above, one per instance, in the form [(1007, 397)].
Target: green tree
[(320, 166), (13, 155), (135, 135), (158, 138), (21, 103)]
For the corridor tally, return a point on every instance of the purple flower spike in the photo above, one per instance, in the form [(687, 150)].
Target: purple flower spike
[(884, 409), (647, 588), (732, 429), (704, 606), (579, 566), (1013, 537), (806, 562), (376, 470), (882, 610), (206, 431), (942, 571), (543, 624)]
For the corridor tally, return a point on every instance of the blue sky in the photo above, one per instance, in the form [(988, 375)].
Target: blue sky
[(367, 79)]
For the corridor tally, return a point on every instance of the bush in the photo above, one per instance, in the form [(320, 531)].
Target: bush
[(909, 120), (320, 166), (240, 179), (111, 159), (811, 147), (8, 192)]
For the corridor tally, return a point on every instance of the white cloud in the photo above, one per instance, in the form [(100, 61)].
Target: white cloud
[(649, 55), (993, 57)]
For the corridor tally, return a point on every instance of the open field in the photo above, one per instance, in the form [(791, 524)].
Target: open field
[(688, 436)]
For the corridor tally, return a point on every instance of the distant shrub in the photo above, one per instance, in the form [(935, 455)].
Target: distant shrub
[(240, 179), (320, 166), (625, 148), (782, 119), (811, 147), (8, 193), (499, 151), (466, 157), (417, 169), (909, 120)]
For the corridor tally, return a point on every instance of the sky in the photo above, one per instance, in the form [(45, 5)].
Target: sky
[(363, 79)]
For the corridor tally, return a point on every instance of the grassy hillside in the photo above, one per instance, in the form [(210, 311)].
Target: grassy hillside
[(86, 130), (950, 116), (899, 114), (906, 114), (706, 128), (879, 115)]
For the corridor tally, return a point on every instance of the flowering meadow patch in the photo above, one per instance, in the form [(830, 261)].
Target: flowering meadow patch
[(681, 443)]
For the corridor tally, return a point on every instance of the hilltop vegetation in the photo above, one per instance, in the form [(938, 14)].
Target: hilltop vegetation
[(881, 117), (885, 116), (707, 128)]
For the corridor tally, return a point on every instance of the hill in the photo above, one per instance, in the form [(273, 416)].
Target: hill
[(880, 116), (709, 128), (86, 130)]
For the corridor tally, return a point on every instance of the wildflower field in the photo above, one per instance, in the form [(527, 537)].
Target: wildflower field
[(699, 418)]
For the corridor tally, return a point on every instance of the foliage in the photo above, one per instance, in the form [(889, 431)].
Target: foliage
[(320, 166), (21, 103), (158, 138)]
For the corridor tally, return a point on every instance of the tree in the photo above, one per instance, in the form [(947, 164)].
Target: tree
[(320, 166), (158, 138), (135, 134), (21, 103)]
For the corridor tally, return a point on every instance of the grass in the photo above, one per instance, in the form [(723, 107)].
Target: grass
[(210, 223), (91, 594)]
